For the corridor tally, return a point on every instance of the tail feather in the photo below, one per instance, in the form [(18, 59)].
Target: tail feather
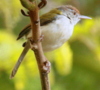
[(24, 52)]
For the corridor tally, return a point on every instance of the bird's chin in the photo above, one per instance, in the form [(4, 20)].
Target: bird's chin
[(76, 21)]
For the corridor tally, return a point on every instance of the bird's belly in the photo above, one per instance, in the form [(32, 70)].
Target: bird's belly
[(51, 46), (55, 35), (50, 43)]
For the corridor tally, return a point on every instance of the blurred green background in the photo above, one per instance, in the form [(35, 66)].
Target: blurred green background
[(75, 66)]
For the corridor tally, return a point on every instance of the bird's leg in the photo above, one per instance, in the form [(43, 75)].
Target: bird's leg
[(41, 38), (33, 45)]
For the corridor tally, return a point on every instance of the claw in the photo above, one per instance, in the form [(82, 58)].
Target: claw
[(33, 44), (41, 38)]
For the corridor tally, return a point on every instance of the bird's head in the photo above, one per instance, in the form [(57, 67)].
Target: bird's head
[(72, 13)]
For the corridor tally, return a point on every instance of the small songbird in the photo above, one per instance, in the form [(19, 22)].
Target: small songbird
[(56, 26)]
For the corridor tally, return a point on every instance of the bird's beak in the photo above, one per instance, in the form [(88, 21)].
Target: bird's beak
[(84, 17)]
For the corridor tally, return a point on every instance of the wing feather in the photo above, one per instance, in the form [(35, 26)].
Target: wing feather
[(44, 20)]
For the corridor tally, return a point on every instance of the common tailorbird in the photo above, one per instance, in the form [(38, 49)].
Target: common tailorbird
[(57, 27)]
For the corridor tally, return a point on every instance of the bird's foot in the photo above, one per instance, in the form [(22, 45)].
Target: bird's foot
[(33, 44), (38, 40), (41, 38)]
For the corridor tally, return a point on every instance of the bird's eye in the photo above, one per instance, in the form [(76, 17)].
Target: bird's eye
[(74, 13)]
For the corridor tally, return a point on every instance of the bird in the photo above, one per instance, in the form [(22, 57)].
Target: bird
[(57, 26)]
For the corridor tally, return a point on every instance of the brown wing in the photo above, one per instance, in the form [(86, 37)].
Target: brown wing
[(44, 20), (25, 31)]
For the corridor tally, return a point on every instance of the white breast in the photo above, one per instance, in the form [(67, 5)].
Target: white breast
[(56, 33)]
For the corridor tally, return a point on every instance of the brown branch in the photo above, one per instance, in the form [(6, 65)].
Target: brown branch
[(35, 42)]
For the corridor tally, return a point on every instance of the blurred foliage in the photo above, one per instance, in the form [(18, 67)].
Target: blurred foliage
[(10, 14), (75, 66)]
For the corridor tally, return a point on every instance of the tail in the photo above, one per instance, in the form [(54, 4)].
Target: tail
[(14, 71)]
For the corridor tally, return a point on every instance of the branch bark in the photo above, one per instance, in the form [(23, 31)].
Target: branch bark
[(35, 40)]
